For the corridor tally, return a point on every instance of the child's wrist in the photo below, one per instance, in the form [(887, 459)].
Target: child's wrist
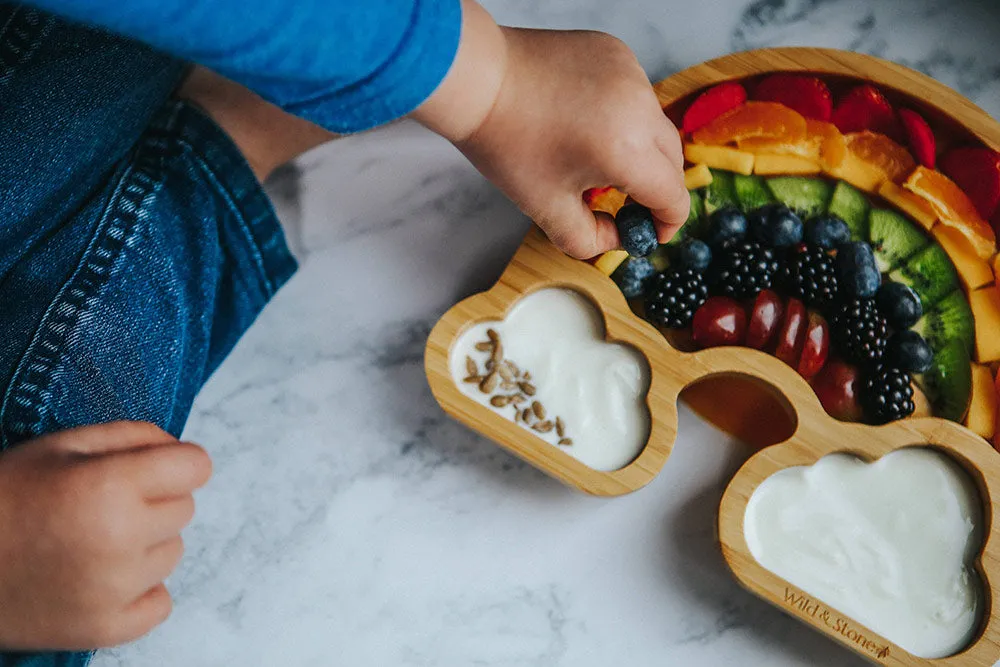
[(469, 91)]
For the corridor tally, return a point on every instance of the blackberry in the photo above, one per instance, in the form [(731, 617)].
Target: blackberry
[(672, 297), (811, 275), (860, 332), (887, 395), (742, 269)]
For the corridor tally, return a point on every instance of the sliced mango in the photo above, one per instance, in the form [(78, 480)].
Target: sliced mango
[(772, 165), (858, 173), (720, 157), (985, 304), (609, 261), (908, 203), (982, 417), (698, 176), (973, 271)]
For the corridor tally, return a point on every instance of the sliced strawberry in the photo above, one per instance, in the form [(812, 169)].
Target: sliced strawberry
[(977, 172), (713, 103), (920, 136), (865, 108), (806, 94)]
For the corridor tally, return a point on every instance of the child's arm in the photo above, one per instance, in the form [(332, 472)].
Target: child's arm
[(545, 115), (90, 523)]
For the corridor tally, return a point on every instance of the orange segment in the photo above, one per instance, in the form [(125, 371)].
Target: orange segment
[(765, 120), (882, 153), (833, 145), (811, 148), (954, 208), (608, 200)]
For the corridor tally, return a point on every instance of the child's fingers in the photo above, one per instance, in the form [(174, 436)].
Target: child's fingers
[(669, 143), (143, 615), (578, 231), (659, 185)]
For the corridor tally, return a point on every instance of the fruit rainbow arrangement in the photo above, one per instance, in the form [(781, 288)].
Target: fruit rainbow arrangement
[(851, 238)]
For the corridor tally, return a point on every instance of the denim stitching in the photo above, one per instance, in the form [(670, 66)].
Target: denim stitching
[(22, 411), (244, 225), (20, 38)]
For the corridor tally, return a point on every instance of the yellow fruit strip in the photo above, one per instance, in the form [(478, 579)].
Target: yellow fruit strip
[(982, 417), (973, 271), (858, 173), (996, 265), (609, 261), (720, 157), (698, 176), (983, 247), (790, 165), (985, 304), (909, 203)]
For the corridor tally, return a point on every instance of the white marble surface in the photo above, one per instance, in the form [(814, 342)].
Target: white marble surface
[(350, 523)]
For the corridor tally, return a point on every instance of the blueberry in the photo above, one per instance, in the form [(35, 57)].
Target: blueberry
[(636, 230), (908, 351), (726, 225), (857, 273), (828, 231), (632, 275), (899, 305), (776, 226), (692, 254)]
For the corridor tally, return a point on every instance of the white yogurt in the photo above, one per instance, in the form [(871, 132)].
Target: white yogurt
[(888, 544), (597, 389)]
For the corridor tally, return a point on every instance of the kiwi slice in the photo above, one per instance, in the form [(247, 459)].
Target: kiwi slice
[(893, 238), (694, 225), (806, 196), (948, 383), (949, 320), (721, 192), (851, 206), (931, 275), (752, 192)]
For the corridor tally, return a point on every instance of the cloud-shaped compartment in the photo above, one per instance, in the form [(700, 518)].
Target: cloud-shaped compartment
[(556, 376), (889, 544)]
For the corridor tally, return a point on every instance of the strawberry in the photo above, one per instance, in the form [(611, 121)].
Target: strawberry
[(805, 94), (865, 108), (713, 103), (921, 138), (977, 172)]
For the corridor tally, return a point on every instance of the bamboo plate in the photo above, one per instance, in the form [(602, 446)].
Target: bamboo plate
[(734, 386)]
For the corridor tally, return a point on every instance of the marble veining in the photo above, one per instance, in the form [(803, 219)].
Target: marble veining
[(350, 523)]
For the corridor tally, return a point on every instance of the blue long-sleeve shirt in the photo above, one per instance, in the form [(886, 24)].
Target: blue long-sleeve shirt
[(346, 65)]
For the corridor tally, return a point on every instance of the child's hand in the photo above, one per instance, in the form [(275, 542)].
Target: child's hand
[(569, 111), (90, 523)]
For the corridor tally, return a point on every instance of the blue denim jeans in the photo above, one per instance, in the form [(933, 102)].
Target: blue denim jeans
[(136, 245)]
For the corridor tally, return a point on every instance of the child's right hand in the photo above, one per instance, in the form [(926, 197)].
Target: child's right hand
[(90, 523), (547, 114)]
